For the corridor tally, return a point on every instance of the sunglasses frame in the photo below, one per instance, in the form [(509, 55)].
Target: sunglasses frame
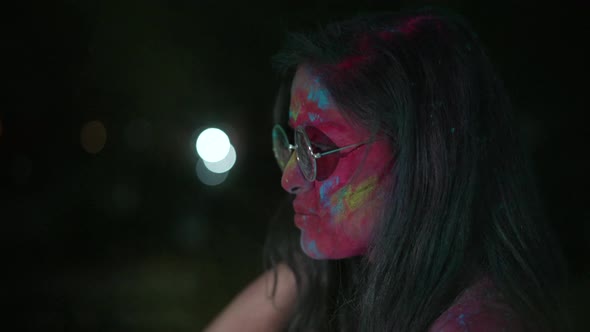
[(315, 155)]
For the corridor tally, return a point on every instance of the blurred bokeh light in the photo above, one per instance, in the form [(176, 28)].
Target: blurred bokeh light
[(207, 177), (225, 164), (213, 145), (93, 136)]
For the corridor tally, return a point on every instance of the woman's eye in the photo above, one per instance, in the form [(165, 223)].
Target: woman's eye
[(320, 142)]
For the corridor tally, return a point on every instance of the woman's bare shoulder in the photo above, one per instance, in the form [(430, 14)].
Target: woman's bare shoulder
[(479, 308)]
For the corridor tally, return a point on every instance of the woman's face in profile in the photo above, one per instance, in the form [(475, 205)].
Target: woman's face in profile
[(336, 215)]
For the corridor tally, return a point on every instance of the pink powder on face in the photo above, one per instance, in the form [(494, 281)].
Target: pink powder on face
[(300, 102), (336, 216)]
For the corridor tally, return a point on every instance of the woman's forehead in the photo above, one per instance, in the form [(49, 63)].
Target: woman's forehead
[(311, 103)]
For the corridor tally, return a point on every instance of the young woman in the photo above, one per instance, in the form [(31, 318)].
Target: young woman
[(413, 198)]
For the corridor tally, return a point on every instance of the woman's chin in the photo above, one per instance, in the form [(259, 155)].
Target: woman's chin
[(310, 248)]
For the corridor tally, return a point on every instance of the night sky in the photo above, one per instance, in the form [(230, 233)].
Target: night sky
[(124, 236)]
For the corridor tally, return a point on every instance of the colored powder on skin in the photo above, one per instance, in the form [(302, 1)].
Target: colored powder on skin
[(313, 117), (313, 248), (297, 103), (353, 197), (309, 101), (289, 166), (337, 205), (359, 195), (294, 111), (319, 96), (325, 188), (461, 320), (337, 211)]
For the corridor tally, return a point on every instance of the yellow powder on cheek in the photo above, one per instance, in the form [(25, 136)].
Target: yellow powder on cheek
[(337, 208), (348, 199), (361, 193)]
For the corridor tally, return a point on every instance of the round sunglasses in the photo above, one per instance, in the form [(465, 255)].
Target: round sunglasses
[(307, 158)]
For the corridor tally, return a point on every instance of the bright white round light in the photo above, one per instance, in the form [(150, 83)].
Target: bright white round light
[(224, 164), (212, 145), (207, 177)]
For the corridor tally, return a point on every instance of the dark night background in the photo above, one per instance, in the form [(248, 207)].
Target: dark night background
[(129, 239)]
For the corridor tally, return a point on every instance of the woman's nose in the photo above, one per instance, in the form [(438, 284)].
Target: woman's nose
[(293, 180)]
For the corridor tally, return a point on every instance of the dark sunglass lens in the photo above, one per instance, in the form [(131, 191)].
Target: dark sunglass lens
[(304, 156), (321, 142)]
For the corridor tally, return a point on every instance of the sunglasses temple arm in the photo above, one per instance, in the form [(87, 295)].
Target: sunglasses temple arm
[(321, 154)]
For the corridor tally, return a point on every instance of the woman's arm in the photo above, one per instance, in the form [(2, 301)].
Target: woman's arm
[(255, 310)]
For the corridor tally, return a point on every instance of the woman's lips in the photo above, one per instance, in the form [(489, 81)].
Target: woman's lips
[(304, 212), (302, 220)]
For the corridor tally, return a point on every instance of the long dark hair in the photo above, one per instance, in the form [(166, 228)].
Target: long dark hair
[(464, 203)]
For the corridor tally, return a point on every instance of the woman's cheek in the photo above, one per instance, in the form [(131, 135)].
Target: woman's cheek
[(326, 191), (350, 200)]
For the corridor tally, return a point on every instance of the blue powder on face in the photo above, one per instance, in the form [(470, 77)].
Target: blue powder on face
[(338, 208), (319, 96), (313, 117), (326, 186), (313, 249), (461, 320)]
